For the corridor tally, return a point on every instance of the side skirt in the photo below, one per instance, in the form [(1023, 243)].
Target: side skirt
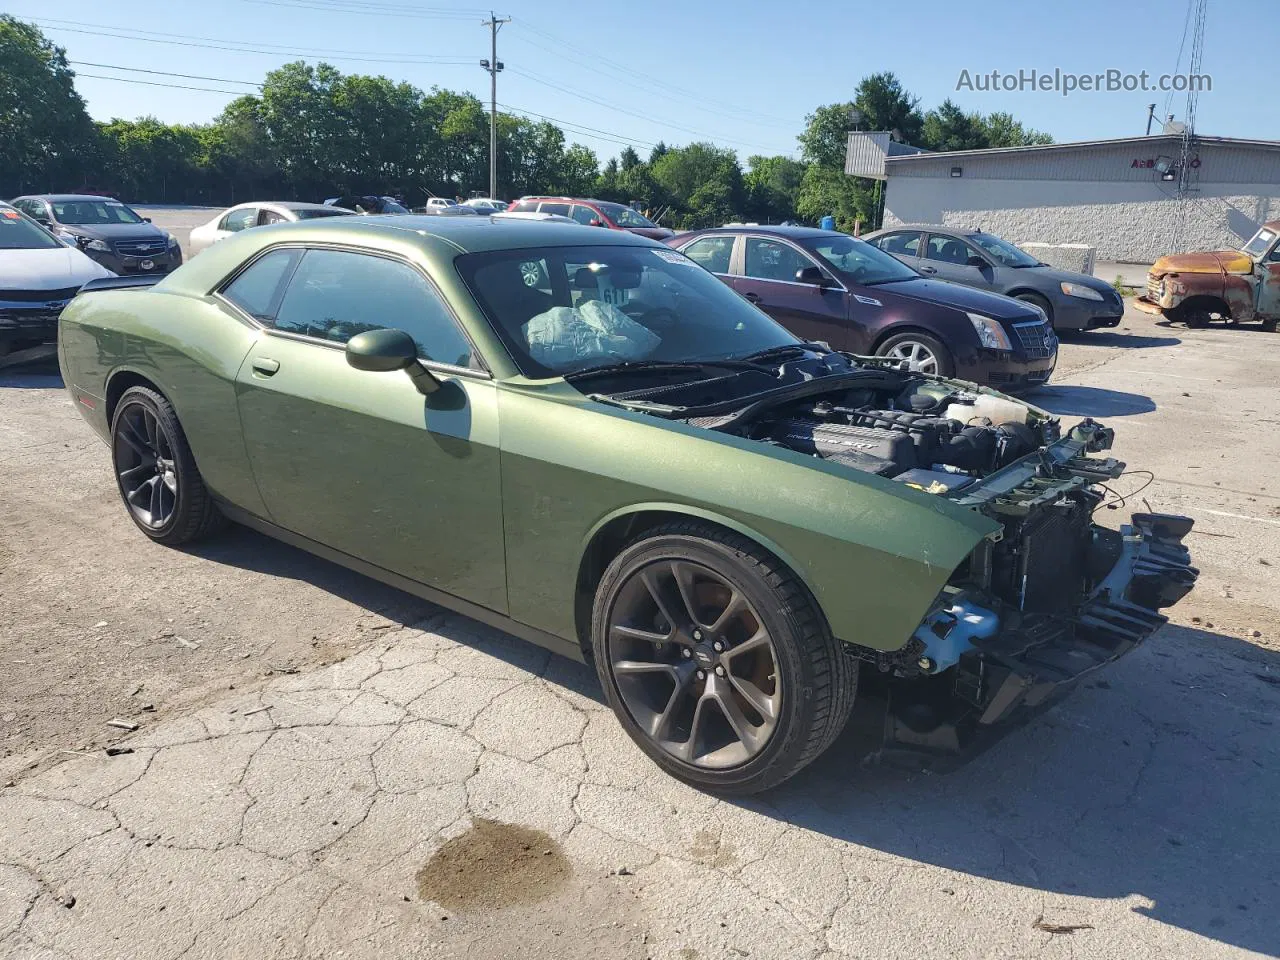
[(565, 648)]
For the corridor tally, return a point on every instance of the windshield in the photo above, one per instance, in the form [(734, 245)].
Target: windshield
[(93, 212), (1258, 245), (1004, 251), (624, 216), (860, 261), (310, 214), (390, 206), (19, 233), (565, 309)]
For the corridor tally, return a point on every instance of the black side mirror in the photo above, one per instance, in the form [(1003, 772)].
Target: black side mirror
[(381, 351), (82, 242), (975, 261), (813, 275), (596, 223)]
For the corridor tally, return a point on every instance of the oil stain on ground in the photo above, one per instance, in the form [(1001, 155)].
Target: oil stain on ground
[(494, 865)]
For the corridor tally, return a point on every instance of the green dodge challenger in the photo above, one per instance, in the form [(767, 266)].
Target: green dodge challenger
[(584, 438)]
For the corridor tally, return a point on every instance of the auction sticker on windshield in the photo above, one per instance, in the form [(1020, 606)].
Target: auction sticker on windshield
[(670, 256)]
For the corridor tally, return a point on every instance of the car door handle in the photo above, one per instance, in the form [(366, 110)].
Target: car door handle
[(752, 297), (265, 366), (929, 270)]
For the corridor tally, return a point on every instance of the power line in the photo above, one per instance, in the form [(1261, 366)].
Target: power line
[(581, 129), (632, 113), (171, 86), (382, 10), (658, 86), (161, 73), (232, 47)]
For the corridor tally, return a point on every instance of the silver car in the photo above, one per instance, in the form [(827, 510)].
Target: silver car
[(258, 214), (1070, 301)]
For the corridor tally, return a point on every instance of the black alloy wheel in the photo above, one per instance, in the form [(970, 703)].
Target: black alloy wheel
[(717, 660)]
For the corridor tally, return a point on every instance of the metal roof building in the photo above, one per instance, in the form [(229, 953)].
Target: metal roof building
[(1126, 197)]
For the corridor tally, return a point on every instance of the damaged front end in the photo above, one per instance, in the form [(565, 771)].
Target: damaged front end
[(1034, 609)]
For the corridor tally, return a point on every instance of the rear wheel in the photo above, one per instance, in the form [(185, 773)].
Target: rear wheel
[(922, 353), (717, 660), (155, 473)]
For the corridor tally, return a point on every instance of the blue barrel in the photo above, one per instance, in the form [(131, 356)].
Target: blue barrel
[(828, 222)]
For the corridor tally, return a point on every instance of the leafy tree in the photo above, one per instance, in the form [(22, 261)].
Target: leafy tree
[(826, 135), (772, 187), (702, 182), (948, 127), (1004, 131), (884, 105), (46, 137)]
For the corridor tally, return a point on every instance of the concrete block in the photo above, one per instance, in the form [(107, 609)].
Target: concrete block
[(1076, 257)]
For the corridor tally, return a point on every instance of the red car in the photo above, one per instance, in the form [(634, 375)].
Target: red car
[(594, 213)]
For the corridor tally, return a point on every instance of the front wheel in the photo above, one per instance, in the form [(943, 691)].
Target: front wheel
[(922, 353), (716, 659), (156, 473), (1038, 301)]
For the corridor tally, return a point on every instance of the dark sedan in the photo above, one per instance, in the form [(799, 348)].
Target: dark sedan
[(1071, 301), (106, 230), (828, 286)]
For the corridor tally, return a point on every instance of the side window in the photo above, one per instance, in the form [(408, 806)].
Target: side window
[(584, 215), (257, 290), (333, 295), (558, 208), (903, 244), (238, 220), (269, 217), (525, 206), (770, 260), (1274, 256), (948, 250), (711, 253)]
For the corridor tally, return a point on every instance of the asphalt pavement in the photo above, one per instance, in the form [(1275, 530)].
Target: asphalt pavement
[(323, 767)]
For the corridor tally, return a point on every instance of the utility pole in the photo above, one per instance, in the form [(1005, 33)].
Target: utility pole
[(493, 65), (1151, 115)]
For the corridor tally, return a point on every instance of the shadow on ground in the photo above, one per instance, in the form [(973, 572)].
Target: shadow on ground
[(1112, 338), (1073, 401), (1156, 781), (32, 375)]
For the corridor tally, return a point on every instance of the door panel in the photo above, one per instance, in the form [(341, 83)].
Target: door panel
[(365, 464), (1269, 287), (947, 257), (807, 310)]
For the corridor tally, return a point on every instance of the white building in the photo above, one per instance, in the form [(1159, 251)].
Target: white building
[(1120, 196)]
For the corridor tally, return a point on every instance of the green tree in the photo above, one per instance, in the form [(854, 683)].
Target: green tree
[(772, 188), (1004, 131), (47, 141), (948, 127), (701, 182), (883, 104)]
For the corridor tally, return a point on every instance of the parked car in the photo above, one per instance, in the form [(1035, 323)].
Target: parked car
[(105, 230), (1234, 285), (367, 204), (485, 204), (39, 274), (532, 215), (594, 213), (598, 447), (435, 203), (452, 210), (827, 286), (1070, 301), (258, 214)]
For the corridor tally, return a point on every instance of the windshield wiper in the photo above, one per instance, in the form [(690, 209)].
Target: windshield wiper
[(785, 350), (631, 366), (876, 283)]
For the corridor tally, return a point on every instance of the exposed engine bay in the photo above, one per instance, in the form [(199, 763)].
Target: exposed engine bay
[(1048, 598)]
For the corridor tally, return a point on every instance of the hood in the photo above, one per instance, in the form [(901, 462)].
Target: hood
[(943, 294), (1217, 261), (653, 233), (54, 270), (1056, 276), (115, 231)]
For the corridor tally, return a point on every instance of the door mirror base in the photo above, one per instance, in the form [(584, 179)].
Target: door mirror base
[(813, 275), (381, 351), (975, 261)]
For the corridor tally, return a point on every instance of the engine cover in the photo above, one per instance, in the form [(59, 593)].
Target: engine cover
[(886, 452)]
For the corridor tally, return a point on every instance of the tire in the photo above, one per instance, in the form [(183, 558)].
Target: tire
[(1036, 300), (674, 694), (156, 475), (906, 345)]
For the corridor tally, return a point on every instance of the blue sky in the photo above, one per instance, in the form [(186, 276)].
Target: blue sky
[(741, 74)]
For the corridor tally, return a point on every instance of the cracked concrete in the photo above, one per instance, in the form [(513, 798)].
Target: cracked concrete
[(288, 818)]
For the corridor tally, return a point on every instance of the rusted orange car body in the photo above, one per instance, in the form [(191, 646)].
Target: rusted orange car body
[(1236, 285)]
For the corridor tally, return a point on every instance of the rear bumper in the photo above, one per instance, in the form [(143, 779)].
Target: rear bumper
[(1009, 676)]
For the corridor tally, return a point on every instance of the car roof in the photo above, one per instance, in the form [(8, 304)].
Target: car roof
[(470, 234), (941, 228), (539, 196), (66, 197), (793, 233)]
